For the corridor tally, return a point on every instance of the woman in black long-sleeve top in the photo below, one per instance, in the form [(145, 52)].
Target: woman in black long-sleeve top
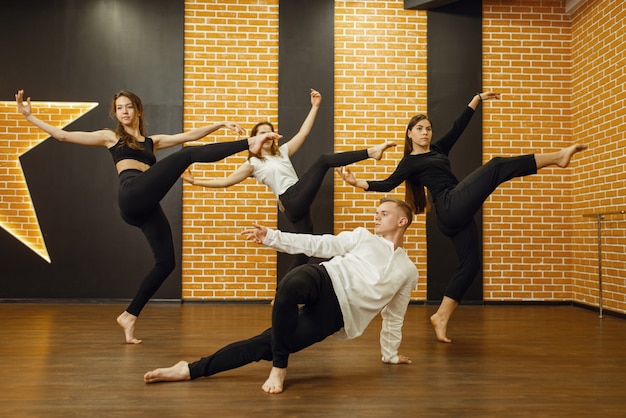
[(427, 165)]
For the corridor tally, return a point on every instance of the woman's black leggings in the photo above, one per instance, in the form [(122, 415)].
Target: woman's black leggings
[(298, 198), (292, 329), (456, 209), (139, 196)]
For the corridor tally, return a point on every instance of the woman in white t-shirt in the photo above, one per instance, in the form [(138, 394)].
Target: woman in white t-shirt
[(272, 166)]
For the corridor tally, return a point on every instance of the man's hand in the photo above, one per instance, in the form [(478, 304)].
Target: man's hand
[(403, 360), (257, 234)]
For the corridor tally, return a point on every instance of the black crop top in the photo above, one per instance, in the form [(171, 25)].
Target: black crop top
[(121, 152)]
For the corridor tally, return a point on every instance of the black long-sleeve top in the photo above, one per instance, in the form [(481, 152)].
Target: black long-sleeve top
[(431, 169)]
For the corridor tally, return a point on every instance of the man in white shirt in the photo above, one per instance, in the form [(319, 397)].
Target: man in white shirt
[(367, 274)]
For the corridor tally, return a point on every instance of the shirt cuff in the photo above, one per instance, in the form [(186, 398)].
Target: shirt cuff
[(391, 360), (269, 237)]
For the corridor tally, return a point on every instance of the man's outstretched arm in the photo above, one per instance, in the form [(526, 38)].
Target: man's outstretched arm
[(322, 246)]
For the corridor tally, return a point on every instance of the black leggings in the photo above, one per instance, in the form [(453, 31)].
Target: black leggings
[(456, 209), (139, 196), (297, 200), (292, 329)]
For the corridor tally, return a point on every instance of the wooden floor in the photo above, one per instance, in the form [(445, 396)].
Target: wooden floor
[(61, 360)]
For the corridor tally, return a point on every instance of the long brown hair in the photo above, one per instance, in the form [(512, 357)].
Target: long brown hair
[(415, 193), (126, 138), (254, 132)]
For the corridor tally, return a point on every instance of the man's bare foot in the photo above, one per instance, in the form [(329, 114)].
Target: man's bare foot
[(274, 383), (256, 142), (377, 151), (176, 373), (565, 155), (441, 327), (127, 322)]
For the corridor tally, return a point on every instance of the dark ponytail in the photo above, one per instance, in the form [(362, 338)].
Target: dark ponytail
[(415, 193)]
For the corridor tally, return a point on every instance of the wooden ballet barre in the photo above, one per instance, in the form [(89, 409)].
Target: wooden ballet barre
[(600, 216)]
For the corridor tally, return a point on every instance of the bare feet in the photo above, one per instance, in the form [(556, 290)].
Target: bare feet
[(274, 383), (176, 373), (127, 322), (565, 155), (256, 142), (377, 151), (441, 327)]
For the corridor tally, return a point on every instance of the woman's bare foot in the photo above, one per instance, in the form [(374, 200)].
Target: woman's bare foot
[(441, 327), (176, 373), (377, 151), (565, 155), (274, 383), (255, 143), (127, 322)]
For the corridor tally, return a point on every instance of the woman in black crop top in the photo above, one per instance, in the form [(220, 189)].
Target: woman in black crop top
[(426, 165), (144, 181)]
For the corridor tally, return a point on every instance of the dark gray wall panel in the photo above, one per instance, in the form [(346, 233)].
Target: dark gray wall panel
[(454, 75), (306, 60)]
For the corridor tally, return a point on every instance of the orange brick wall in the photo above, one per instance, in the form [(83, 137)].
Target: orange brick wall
[(543, 61), (598, 118), (380, 82), (528, 222), (231, 73), (562, 81)]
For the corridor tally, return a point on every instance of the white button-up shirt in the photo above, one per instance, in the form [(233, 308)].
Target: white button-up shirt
[(368, 276)]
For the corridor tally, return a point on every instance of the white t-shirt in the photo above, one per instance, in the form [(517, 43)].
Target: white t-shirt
[(275, 171), (368, 277)]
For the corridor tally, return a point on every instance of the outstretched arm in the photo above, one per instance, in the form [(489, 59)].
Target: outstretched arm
[(321, 246), (446, 142), (296, 142), (239, 175), (403, 171), (349, 177), (481, 97), (162, 141), (104, 137)]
